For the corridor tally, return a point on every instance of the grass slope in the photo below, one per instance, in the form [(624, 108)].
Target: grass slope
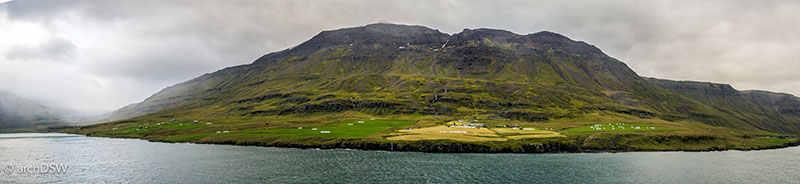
[(346, 129), (416, 74), (575, 131)]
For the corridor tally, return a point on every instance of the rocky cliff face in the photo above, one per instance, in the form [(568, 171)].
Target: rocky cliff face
[(397, 69)]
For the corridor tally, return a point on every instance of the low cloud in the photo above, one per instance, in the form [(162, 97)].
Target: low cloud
[(56, 49)]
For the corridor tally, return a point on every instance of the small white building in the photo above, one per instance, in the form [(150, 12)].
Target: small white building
[(475, 124), (454, 132)]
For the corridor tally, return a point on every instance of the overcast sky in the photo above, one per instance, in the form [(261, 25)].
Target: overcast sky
[(98, 56)]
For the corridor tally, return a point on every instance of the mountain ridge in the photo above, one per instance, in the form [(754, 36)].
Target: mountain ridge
[(399, 69), (771, 110), (419, 31)]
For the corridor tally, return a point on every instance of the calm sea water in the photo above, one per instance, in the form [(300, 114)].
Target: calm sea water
[(93, 160)]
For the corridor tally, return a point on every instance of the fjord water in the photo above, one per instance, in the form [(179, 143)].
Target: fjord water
[(93, 160)]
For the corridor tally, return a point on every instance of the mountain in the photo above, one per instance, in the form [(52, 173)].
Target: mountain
[(17, 112), (777, 112), (388, 69)]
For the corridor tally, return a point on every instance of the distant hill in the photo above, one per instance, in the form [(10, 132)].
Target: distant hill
[(385, 69), (765, 110), (17, 112)]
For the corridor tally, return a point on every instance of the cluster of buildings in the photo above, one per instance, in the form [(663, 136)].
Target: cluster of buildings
[(617, 126), (473, 124), (507, 126), (454, 132)]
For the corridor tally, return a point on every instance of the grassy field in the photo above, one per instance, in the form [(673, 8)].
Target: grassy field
[(521, 133), (618, 127), (184, 124), (455, 133), (189, 137), (776, 140), (346, 129), (443, 132), (582, 131)]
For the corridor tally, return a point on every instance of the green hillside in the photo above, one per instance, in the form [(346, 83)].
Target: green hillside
[(415, 73), (764, 110)]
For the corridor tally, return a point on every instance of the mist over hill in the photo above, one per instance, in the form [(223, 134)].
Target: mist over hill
[(17, 112)]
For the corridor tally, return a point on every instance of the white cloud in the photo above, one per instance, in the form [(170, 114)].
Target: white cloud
[(54, 49), (113, 53)]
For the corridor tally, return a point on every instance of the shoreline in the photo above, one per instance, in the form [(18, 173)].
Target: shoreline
[(437, 146)]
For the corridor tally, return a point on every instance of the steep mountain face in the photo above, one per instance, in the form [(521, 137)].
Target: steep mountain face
[(18, 112), (396, 69), (765, 110)]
